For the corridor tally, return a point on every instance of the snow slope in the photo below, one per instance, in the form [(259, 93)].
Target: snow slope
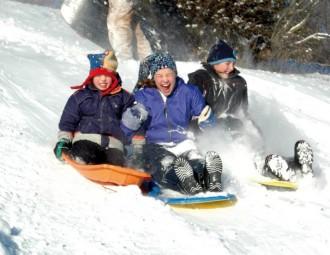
[(48, 208)]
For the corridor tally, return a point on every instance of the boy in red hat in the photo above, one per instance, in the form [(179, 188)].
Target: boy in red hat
[(90, 123)]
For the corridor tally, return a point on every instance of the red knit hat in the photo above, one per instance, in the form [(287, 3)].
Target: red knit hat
[(102, 64), (113, 88)]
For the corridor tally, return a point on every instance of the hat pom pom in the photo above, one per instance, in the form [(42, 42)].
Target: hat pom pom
[(107, 60)]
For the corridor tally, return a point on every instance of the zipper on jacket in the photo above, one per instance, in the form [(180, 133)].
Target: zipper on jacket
[(169, 126), (103, 101)]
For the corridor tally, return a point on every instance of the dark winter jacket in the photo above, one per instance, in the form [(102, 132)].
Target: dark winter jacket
[(168, 121), (224, 96), (88, 112)]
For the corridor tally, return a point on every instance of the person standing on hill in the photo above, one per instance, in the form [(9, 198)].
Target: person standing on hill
[(124, 30)]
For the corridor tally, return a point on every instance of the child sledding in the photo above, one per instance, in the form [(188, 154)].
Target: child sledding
[(90, 123), (165, 106), (101, 121), (226, 92)]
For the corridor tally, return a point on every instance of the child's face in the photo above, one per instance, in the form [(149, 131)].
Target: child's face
[(102, 82), (165, 80), (224, 69)]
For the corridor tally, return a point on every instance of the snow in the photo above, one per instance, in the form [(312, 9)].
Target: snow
[(46, 207)]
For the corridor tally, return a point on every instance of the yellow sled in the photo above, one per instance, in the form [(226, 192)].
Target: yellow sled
[(271, 183)]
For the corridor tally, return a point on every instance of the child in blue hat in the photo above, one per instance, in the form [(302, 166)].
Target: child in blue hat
[(169, 152), (89, 127), (225, 91)]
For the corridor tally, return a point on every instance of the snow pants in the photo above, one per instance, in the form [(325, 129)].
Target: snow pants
[(93, 153), (158, 161)]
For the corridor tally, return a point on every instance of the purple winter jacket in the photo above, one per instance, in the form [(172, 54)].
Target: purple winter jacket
[(168, 121)]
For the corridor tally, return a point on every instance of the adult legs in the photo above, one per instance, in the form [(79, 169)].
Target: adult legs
[(119, 22)]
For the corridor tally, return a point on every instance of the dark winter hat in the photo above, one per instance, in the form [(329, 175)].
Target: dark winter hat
[(159, 61), (220, 53)]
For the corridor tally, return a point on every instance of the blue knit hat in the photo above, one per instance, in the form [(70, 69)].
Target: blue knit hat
[(157, 61), (220, 53)]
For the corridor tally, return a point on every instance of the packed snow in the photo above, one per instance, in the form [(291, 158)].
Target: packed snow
[(46, 207)]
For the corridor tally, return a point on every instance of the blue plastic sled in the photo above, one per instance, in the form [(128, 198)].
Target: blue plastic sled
[(222, 199)]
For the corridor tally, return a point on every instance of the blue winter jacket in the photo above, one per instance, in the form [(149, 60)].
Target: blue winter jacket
[(87, 111), (168, 121)]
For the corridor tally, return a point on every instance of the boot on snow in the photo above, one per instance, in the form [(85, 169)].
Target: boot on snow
[(185, 174), (303, 156), (279, 167), (213, 172)]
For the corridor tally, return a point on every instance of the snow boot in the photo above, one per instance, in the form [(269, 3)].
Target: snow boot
[(303, 156), (185, 174), (198, 166), (279, 167), (213, 171)]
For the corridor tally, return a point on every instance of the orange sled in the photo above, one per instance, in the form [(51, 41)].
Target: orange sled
[(107, 174)]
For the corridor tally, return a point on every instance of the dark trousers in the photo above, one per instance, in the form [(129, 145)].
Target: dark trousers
[(93, 153), (159, 163)]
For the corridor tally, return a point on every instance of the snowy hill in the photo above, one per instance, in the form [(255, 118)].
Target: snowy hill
[(48, 208)]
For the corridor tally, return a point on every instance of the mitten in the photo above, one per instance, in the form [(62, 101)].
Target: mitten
[(206, 119), (134, 116), (63, 145)]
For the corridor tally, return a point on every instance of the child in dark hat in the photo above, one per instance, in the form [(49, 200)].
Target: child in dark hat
[(225, 91), (170, 154), (89, 127)]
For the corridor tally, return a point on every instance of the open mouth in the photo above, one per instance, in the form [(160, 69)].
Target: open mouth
[(165, 88), (103, 85)]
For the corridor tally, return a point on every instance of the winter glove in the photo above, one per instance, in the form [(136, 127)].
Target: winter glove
[(206, 119), (63, 145), (134, 116)]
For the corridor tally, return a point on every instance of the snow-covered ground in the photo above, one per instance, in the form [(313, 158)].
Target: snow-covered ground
[(48, 208)]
